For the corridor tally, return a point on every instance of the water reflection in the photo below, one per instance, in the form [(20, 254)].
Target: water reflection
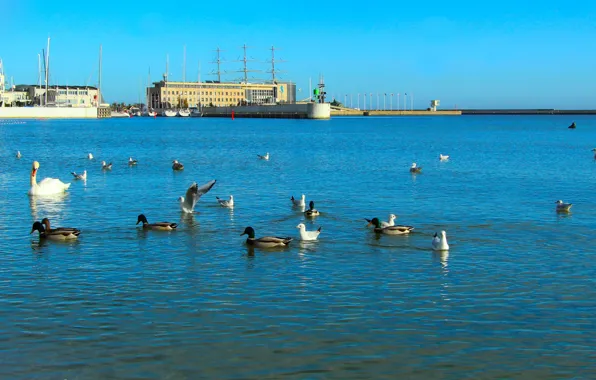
[(443, 257), (46, 206)]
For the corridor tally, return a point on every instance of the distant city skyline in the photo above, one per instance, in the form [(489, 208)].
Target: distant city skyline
[(468, 55)]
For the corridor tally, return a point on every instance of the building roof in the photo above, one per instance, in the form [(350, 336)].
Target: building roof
[(60, 87)]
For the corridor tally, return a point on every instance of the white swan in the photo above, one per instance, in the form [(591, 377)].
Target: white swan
[(226, 203), (265, 157), (80, 176), (440, 243), (299, 202), (308, 235), (47, 186), (391, 221), (194, 192), (443, 157), (562, 206), (90, 156), (18, 154)]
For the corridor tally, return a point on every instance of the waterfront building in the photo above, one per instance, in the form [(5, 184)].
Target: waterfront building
[(166, 94), (58, 96)]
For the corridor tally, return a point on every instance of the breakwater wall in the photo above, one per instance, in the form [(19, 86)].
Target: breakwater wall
[(351, 112), (526, 112), (48, 113), (280, 111)]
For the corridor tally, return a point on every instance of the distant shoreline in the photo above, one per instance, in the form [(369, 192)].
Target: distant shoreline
[(525, 112)]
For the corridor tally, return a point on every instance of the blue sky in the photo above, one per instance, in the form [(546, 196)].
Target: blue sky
[(469, 54)]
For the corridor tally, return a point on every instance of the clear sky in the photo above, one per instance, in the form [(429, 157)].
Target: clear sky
[(469, 54)]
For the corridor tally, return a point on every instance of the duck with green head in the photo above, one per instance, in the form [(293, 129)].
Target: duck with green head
[(265, 241), (160, 226), (60, 233), (311, 212), (389, 230)]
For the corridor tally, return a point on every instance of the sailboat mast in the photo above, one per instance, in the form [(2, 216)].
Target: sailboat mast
[(99, 84), (47, 72)]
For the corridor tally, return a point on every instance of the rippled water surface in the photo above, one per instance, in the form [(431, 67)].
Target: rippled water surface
[(515, 297)]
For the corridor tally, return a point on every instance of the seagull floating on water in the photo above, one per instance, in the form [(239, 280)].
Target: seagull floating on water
[(177, 165), (562, 206), (80, 176), (105, 166), (265, 157), (443, 157), (440, 243), (299, 202), (90, 156), (308, 235), (18, 154), (415, 168), (194, 192), (131, 161), (229, 203)]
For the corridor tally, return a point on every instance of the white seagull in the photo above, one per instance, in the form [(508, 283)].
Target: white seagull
[(90, 156), (105, 166), (299, 202), (226, 203), (443, 157), (391, 221), (80, 176), (194, 192), (562, 206), (18, 154), (131, 161), (440, 243), (265, 157), (308, 235)]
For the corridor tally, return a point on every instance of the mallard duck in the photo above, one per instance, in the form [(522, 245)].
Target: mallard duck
[(18, 154), (264, 157), (161, 226), (299, 202), (55, 234), (229, 203), (415, 169), (132, 162), (308, 235), (265, 241), (311, 212), (562, 206), (391, 230), (443, 157), (80, 176), (440, 243), (105, 166), (177, 165)]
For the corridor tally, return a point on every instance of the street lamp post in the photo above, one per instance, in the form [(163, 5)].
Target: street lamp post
[(370, 103), (364, 97), (398, 101), (378, 108), (358, 100), (345, 100), (385, 102), (391, 103), (405, 101), (351, 103), (412, 102)]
